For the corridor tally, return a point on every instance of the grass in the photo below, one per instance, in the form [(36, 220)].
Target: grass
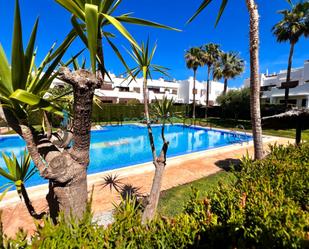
[(231, 124), (173, 200)]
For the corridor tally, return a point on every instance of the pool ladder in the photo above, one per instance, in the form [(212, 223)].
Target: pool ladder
[(238, 136)]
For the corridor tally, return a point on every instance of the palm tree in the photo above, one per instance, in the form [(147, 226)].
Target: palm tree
[(193, 61), (210, 55), (294, 25), (22, 89), (228, 67), (143, 59), (254, 69)]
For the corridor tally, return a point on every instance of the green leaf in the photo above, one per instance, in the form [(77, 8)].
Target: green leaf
[(121, 29), (6, 175), (138, 21), (222, 7), (30, 48), (18, 58), (25, 97), (44, 82), (79, 30), (72, 7), (4, 193), (118, 53), (199, 10), (91, 18), (5, 74), (35, 101)]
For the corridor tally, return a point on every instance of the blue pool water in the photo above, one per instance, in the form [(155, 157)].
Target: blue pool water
[(119, 146)]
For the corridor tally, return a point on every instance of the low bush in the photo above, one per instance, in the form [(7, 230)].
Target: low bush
[(266, 207)]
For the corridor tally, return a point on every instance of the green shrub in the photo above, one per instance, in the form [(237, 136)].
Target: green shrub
[(266, 207)]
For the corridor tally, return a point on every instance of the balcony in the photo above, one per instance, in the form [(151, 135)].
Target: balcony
[(290, 84)]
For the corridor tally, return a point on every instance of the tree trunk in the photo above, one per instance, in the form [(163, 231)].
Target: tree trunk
[(194, 82), (28, 203), (288, 76), (159, 163), (207, 92), (208, 81), (66, 170), (254, 80), (298, 132), (225, 86)]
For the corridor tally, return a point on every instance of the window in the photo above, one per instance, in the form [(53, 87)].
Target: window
[(304, 102), (155, 90), (124, 89), (137, 89)]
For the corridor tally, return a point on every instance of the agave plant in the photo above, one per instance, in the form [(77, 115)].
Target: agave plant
[(18, 173)]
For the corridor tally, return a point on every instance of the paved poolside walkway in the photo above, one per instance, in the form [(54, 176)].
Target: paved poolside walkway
[(179, 171)]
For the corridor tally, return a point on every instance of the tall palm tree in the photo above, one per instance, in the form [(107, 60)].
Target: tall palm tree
[(210, 55), (294, 25), (193, 61), (228, 67), (254, 69), (145, 67)]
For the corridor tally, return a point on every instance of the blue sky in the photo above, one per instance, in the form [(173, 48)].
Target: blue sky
[(231, 33)]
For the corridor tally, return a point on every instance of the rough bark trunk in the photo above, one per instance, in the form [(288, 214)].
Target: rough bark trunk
[(288, 76), (207, 92), (159, 163), (194, 82), (66, 170), (254, 80), (225, 86)]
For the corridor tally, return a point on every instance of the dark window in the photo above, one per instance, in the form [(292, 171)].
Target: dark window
[(124, 89), (155, 90), (304, 102)]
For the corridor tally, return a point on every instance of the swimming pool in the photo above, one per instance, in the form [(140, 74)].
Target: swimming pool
[(120, 146)]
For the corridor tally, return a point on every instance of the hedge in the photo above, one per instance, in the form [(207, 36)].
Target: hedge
[(267, 207)]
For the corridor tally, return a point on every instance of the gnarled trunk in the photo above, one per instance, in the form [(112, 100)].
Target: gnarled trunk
[(288, 76), (254, 80), (66, 169)]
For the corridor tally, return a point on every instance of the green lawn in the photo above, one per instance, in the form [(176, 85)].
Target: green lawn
[(231, 124), (172, 201)]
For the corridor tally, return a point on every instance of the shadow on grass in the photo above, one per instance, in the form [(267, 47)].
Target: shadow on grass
[(229, 164)]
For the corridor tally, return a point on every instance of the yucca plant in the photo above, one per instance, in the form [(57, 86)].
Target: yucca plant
[(18, 173), (90, 19), (144, 66)]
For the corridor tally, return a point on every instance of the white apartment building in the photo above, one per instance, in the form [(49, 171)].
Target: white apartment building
[(272, 86), (120, 90)]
